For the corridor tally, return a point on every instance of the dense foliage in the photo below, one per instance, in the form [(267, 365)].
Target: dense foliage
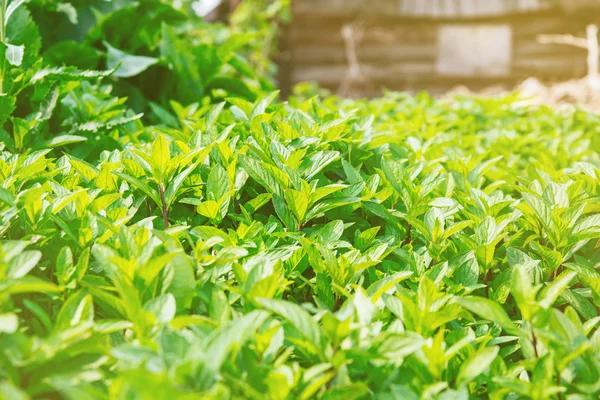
[(202, 238)]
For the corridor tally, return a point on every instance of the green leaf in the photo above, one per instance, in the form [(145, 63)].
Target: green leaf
[(68, 74), (28, 284), (554, 290), (589, 223), (110, 326), (316, 162), (14, 54), (283, 212), (232, 335), (6, 196), (393, 171), (22, 264), (347, 392), (94, 126), (173, 189), (87, 171), (260, 174), (7, 106), (297, 202), (144, 187), (127, 65), (209, 209), (62, 140), (163, 307), (490, 310), (298, 317), (477, 364), (69, 10), (49, 103), (65, 267), (77, 309), (175, 185), (161, 156), (262, 104), (217, 184), (11, 8)]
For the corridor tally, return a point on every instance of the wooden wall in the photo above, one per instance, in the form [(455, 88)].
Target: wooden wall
[(400, 53), (425, 8)]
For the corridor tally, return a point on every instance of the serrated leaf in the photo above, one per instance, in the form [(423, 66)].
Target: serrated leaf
[(69, 74)]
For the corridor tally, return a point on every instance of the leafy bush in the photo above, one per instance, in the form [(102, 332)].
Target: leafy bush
[(396, 248)]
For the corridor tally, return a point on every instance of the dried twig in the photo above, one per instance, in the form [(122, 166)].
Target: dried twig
[(590, 43), (352, 35), (569, 40), (593, 54)]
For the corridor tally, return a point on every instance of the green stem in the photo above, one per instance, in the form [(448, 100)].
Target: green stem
[(165, 210), (3, 5), (486, 279), (560, 397), (534, 342)]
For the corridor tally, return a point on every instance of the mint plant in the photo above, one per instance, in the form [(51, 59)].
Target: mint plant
[(208, 239)]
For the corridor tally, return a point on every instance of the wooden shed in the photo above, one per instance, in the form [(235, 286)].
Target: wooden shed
[(362, 46)]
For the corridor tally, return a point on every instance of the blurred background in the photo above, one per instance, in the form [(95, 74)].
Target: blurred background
[(357, 47)]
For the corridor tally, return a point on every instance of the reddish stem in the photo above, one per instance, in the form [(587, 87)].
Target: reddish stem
[(165, 211)]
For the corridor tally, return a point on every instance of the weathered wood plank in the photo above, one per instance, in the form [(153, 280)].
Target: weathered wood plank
[(543, 67), (330, 31), (543, 23), (384, 53), (423, 8), (336, 74), (532, 48)]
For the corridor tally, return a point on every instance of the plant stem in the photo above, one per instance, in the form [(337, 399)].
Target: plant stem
[(339, 301), (408, 235), (2, 14), (165, 211), (486, 279), (534, 342), (558, 383), (2, 38)]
